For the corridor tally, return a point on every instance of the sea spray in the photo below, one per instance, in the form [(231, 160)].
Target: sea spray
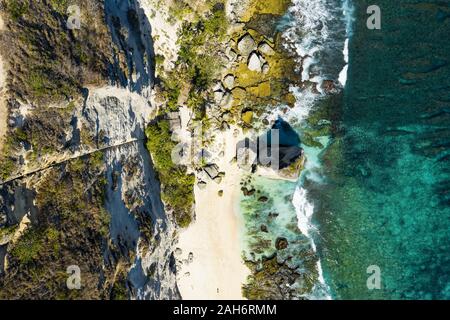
[(319, 35), (348, 13), (315, 32)]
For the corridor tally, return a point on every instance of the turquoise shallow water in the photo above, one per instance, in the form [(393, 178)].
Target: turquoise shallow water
[(386, 201), (381, 189)]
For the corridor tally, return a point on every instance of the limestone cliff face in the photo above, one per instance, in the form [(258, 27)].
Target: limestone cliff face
[(97, 184), (139, 222)]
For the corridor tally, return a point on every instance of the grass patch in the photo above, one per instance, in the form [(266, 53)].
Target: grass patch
[(29, 246), (16, 9)]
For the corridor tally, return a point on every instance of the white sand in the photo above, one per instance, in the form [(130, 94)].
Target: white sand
[(164, 33), (214, 238), (217, 270)]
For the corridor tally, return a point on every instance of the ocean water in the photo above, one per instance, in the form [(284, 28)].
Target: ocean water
[(377, 192), (386, 198), (316, 31)]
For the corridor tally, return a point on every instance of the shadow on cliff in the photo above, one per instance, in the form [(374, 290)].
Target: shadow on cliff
[(131, 31)]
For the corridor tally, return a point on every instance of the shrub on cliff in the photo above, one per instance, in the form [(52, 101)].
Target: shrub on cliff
[(177, 187)]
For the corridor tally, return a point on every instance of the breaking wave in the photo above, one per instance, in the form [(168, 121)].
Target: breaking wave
[(318, 33)]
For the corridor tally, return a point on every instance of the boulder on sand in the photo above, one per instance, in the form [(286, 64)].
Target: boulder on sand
[(212, 170), (246, 45), (254, 63), (264, 48), (228, 81)]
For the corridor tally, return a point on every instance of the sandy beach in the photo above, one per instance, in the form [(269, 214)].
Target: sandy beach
[(210, 264), (217, 270)]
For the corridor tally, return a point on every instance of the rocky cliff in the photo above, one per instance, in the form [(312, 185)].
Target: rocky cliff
[(79, 186)]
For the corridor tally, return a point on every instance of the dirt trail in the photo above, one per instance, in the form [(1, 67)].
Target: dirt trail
[(66, 159)]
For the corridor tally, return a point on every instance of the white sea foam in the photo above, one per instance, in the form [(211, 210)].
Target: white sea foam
[(318, 37), (305, 211), (349, 16), (343, 73), (348, 12)]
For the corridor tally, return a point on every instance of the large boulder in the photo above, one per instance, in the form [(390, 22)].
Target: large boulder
[(218, 96), (227, 100), (254, 63), (265, 49), (231, 54), (287, 146), (247, 116), (246, 45), (212, 170), (228, 81), (174, 121)]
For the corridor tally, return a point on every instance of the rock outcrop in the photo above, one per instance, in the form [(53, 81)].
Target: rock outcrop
[(101, 158), (254, 62), (246, 45)]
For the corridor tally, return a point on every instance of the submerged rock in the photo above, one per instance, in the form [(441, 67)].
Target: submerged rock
[(281, 243), (328, 86), (247, 192)]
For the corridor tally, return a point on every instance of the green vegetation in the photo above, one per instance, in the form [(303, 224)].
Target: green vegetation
[(59, 6), (49, 65), (179, 10), (259, 285), (7, 231), (16, 9), (177, 185), (188, 83), (171, 91), (29, 246), (159, 59), (196, 66), (119, 289), (72, 227), (7, 161), (41, 83), (82, 55)]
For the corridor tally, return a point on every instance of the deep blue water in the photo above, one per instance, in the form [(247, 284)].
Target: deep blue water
[(387, 196)]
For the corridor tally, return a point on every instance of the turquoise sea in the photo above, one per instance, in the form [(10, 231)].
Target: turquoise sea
[(387, 199), (379, 193)]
